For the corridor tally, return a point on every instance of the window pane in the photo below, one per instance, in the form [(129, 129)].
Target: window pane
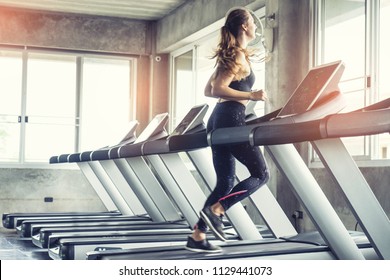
[(46, 140), (51, 105), (344, 36), (10, 95), (384, 65), (9, 141), (105, 102), (183, 93), (205, 70), (51, 85), (344, 39), (10, 82), (384, 69), (259, 70)]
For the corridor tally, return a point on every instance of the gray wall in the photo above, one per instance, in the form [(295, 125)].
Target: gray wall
[(67, 31), (193, 20), (377, 177), (25, 190), (288, 65)]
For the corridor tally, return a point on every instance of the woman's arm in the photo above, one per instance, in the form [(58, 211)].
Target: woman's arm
[(218, 85), (220, 88), (208, 88)]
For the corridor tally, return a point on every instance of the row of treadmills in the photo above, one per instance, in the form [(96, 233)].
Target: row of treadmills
[(153, 199)]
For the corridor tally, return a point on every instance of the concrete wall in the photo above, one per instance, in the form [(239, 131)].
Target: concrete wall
[(69, 31), (25, 190), (194, 20), (377, 177), (288, 65)]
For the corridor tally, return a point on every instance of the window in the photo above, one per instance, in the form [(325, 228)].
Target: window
[(183, 87), (384, 68), (50, 106), (105, 102), (205, 67), (60, 103), (348, 32), (11, 65)]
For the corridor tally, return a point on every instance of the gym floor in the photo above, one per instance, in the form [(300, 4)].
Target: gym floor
[(12, 247)]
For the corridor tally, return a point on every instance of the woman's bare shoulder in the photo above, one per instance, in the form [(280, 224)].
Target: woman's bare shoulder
[(242, 65)]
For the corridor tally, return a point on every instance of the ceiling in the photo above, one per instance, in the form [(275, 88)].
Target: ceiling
[(133, 9)]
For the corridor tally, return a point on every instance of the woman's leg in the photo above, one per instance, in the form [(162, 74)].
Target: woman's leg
[(254, 160), (228, 114), (224, 165)]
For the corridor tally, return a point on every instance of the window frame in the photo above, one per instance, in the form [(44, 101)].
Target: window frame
[(79, 56), (372, 27)]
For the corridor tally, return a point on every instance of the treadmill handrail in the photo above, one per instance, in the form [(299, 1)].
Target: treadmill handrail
[(334, 103), (358, 123)]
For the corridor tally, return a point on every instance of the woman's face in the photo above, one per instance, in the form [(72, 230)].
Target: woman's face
[(251, 28)]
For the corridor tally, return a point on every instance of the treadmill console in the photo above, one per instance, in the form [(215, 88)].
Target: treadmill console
[(193, 120), (155, 128), (130, 136), (318, 83)]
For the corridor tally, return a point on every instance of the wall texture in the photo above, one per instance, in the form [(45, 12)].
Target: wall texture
[(288, 65), (190, 21), (24, 190), (377, 177), (80, 32)]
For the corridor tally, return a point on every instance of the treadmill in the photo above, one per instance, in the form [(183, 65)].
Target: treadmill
[(8, 219), (75, 247), (357, 192), (110, 156), (62, 246), (12, 220), (322, 82), (41, 239), (163, 209), (65, 247), (124, 196)]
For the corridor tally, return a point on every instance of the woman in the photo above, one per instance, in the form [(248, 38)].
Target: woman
[(231, 83)]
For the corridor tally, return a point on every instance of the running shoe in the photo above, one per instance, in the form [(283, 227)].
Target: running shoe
[(201, 246), (214, 222)]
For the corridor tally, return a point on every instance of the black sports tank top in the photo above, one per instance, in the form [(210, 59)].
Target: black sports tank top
[(244, 84)]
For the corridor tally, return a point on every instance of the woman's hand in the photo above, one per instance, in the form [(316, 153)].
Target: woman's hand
[(258, 95)]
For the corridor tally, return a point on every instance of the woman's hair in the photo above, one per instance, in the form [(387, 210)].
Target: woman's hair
[(228, 47)]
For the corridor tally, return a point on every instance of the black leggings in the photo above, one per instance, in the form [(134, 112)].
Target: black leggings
[(230, 114)]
